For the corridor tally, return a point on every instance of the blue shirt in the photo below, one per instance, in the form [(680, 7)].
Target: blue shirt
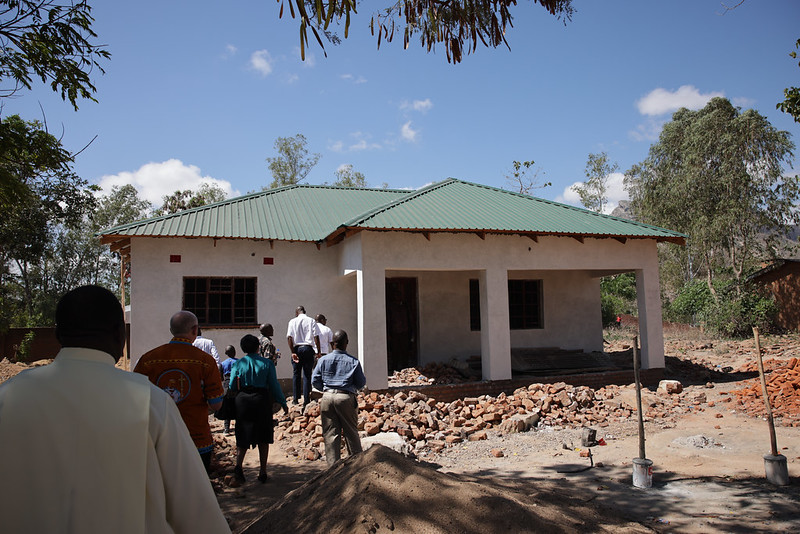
[(227, 365), (256, 371), (338, 370)]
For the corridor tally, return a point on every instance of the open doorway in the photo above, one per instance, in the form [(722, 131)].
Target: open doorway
[(402, 319)]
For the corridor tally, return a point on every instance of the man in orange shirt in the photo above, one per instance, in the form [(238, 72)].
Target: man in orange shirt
[(189, 376)]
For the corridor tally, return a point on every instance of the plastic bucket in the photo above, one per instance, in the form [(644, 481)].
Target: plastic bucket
[(642, 473)]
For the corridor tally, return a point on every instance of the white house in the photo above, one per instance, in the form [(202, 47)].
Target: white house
[(451, 270)]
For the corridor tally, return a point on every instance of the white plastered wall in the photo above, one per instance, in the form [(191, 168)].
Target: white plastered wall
[(346, 282)]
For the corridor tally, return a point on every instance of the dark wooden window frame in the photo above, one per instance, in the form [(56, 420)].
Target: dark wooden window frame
[(221, 300), (524, 305)]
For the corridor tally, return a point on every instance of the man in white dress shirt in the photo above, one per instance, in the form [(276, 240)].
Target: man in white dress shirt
[(87, 447)]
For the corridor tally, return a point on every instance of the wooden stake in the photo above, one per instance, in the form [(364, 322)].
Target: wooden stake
[(772, 439), (638, 396)]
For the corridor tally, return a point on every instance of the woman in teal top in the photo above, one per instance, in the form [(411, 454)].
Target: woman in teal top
[(256, 381)]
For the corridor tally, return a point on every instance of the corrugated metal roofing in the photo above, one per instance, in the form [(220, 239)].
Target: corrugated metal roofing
[(454, 205), (315, 213)]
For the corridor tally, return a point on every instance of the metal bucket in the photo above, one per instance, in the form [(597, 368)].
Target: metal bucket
[(642, 473)]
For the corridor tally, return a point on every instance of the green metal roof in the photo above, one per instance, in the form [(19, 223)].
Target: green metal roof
[(318, 213)]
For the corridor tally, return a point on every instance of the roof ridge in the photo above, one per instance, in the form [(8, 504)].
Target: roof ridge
[(405, 198)]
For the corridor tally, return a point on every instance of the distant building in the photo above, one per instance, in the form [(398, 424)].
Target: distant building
[(782, 279), (451, 270)]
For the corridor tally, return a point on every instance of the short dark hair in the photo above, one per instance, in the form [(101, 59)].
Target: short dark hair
[(89, 310), (249, 344), (340, 338)]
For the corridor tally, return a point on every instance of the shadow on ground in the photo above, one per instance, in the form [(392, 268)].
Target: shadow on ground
[(673, 503)]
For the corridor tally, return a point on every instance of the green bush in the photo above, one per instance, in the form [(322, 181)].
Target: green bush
[(735, 313), (690, 301)]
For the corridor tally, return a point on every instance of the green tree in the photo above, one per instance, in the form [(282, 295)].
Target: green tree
[(39, 192), (717, 175), (52, 41), (523, 180), (187, 199), (347, 177), (293, 162), (458, 25), (791, 95), (592, 192)]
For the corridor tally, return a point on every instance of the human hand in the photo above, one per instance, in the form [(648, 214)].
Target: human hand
[(295, 358)]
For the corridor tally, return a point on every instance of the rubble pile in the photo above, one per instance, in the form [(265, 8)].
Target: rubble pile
[(433, 373), (783, 388), (429, 426)]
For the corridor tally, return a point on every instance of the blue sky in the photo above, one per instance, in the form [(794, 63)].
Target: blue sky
[(199, 91)]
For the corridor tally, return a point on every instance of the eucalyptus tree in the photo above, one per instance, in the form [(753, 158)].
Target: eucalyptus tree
[(458, 25), (717, 175), (293, 162), (50, 40), (347, 177), (592, 192)]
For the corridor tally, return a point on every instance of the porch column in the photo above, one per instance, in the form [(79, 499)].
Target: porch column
[(651, 333), (371, 296), (495, 328)]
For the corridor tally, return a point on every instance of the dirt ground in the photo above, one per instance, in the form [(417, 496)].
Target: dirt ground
[(708, 469)]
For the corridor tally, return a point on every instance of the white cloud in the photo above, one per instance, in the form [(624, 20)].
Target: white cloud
[(153, 181), (615, 191), (661, 101), (351, 78), (417, 105), (408, 133), (261, 61), (336, 146), (230, 51)]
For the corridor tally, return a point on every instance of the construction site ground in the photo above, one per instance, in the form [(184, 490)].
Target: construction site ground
[(706, 443)]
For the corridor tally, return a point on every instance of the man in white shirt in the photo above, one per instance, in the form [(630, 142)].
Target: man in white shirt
[(325, 335), (206, 345), (105, 449), (303, 339)]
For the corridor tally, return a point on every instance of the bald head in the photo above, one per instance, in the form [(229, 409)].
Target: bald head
[(340, 340), (91, 317), (184, 324)]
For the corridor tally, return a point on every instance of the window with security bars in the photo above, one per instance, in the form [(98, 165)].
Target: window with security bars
[(524, 304), (221, 301)]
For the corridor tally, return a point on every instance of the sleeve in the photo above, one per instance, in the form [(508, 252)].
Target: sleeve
[(182, 473), (214, 352), (275, 387), (316, 375), (212, 382), (234, 372), (359, 380)]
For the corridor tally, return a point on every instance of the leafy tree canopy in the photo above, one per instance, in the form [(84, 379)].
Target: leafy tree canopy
[(293, 162), (187, 199), (592, 192), (347, 177), (791, 101), (458, 25), (51, 40), (717, 175)]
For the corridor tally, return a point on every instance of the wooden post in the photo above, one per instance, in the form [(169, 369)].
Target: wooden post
[(125, 354), (772, 439), (638, 396)]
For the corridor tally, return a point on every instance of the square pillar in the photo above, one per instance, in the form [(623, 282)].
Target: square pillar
[(651, 333), (371, 305), (495, 326)]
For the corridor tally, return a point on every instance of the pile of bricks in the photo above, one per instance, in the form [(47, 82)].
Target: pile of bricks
[(783, 388), (432, 373), (429, 425)]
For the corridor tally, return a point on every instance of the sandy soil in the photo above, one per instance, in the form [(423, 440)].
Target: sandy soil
[(708, 472)]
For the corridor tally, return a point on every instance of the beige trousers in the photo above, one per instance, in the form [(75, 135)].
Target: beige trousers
[(339, 418)]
